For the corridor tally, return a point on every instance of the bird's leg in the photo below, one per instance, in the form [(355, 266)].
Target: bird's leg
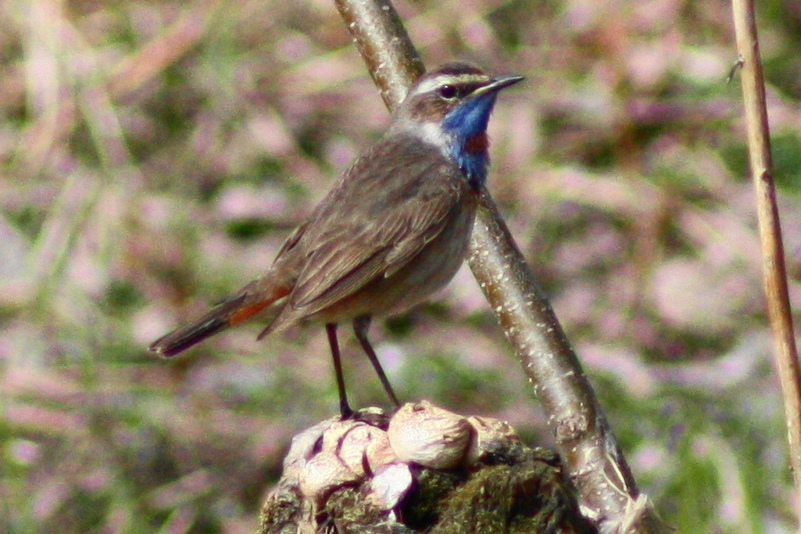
[(360, 326), (344, 408)]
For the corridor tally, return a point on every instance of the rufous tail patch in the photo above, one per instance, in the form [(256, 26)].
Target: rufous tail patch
[(243, 314)]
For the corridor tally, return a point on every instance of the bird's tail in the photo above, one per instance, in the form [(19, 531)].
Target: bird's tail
[(233, 310)]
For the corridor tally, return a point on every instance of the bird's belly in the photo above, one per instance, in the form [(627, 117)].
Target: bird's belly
[(433, 267)]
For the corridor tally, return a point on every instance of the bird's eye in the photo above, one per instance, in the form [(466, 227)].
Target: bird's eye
[(447, 92)]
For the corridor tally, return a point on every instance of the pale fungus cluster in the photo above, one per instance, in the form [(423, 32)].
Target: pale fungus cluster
[(369, 469)]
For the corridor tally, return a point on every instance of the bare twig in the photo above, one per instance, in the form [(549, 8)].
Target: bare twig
[(775, 275), (391, 58), (608, 494)]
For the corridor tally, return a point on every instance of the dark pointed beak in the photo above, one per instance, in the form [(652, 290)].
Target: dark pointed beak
[(498, 83)]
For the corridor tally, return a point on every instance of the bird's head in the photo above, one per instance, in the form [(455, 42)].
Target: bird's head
[(450, 107)]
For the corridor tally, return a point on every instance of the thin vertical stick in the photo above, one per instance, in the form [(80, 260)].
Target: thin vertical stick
[(770, 234)]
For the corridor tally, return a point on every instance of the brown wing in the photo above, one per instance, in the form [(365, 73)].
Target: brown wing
[(375, 220)]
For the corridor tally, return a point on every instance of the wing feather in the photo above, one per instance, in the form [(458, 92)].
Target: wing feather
[(375, 221)]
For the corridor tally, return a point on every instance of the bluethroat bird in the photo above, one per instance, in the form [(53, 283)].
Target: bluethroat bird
[(393, 230)]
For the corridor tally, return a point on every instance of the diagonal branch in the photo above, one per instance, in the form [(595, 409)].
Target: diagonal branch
[(608, 493)]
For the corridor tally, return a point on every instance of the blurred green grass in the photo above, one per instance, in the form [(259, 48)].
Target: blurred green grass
[(155, 154)]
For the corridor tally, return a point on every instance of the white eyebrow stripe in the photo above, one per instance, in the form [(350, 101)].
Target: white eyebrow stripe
[(439, 81)]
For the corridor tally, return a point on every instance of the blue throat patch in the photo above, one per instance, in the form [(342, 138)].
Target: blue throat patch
[(464, 124)]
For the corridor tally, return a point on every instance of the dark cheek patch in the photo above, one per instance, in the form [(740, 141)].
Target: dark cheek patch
[(431, 109), (477, 144)]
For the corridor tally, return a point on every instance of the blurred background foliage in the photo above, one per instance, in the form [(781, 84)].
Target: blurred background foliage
[(154, 154)]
